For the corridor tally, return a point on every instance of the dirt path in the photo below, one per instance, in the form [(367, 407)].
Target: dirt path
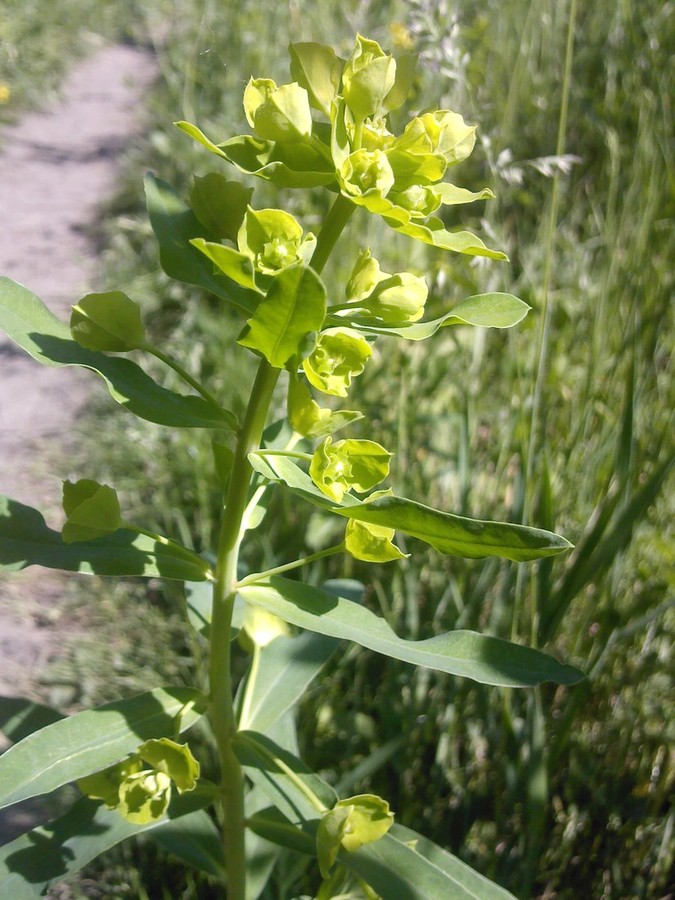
[(55, 168)]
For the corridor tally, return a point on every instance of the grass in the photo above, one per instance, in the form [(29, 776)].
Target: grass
[(555, 793)]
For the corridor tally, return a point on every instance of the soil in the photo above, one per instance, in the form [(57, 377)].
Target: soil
[(56, 167)]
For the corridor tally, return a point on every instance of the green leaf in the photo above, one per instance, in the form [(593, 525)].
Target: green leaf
[(175, 226), (317, 68), (292, 311), (454, 535), (92, 740), (194, 839), (371, 543), (230, 262), (294, 165), (295, 790), (433, 232), (19, 717), (26, 540), (220, 205), (278, 113), (47, 855), (368, 77), (287, 667), (401, 864), (109, 321), (496, 310), (29, 323), (199, 600), (485, 659), (394, 868), (92, 510)]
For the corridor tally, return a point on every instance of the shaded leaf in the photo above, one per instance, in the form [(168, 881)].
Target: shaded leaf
[(47, 855), (109, 321), (92, 740), (175, 225), (29, 323), (482, 658), (219, 204), (27, 540), (287, 667), (19, 717)]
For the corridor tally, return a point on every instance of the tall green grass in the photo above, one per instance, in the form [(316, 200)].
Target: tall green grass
[(557, 793)]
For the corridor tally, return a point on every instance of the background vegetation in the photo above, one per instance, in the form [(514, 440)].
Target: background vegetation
[(564, 423)]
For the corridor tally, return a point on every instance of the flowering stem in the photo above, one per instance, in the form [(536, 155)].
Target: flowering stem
[(296, 564), (232, 528), (179, 370)]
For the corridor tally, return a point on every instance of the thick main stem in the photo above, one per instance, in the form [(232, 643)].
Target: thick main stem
[(222, 712), (224, 592)]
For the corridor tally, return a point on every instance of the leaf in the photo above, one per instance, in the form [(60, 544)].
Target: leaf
[(496, 310), (390, 865), (285, 165), (294, 309), (19, 717), (317, 68), (454, 535), (295, 790), (287, 667), (308, 418), (433, 232), (27, 540), (393, 868), (230, 262), (175, 226), (109, 321), (92, 510), (92, 740), (199, 598), (29, 323), (482, 658), (47, 855), (219, 204)]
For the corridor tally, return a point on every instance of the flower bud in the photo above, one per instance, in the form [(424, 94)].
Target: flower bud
[(367, 78)]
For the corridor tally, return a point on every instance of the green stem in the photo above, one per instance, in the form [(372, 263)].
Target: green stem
[(232, 528), (291, 454), (172, 364), (224, 591), (333, 225), (296, 564)]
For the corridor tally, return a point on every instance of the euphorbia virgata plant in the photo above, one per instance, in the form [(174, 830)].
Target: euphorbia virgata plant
[(133, 760)]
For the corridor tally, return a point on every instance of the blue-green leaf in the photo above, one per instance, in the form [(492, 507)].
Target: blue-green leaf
[(496, 310), (482, 658), (47, 855), (29, 323), (26, 540), (175, 225), (92, 740), (448, 533)]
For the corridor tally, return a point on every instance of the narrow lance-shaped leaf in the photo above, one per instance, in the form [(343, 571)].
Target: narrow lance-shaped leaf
[(485, 659), (400, 864), (45, 856), (496, 310), (454, 535), (29, 323), (26, 540), (92, 740)]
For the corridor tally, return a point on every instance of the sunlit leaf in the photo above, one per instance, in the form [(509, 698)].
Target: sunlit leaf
[(292, 311), (92, 740), (317, 68), (480, 657)]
